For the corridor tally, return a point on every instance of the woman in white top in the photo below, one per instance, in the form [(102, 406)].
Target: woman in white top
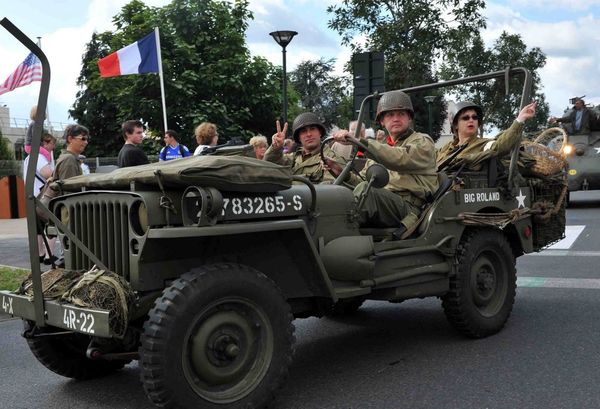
[(206, 136), (43, 171)]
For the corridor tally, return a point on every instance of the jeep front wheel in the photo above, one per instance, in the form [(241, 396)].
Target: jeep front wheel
[(65, 354), (482, 292), (219, 335)]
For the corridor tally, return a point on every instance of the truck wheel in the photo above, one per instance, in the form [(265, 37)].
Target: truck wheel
[(65, 355), (221, 335), (482, 293)]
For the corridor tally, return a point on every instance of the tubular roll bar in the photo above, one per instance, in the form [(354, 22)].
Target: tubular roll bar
[(506, 74), (30, 175)]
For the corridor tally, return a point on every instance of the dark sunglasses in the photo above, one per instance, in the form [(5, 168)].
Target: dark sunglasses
[(83, 138), (467, 117)]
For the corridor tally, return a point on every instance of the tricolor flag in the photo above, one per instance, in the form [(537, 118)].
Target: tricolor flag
[(28, 71), (140, 57)]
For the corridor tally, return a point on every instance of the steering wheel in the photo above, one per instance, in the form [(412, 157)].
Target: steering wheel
[(339, 180)]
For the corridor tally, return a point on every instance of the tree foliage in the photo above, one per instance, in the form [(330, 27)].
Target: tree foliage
[(209, 75), (320, 91), (412, 34), (508, 50), (5, 152)]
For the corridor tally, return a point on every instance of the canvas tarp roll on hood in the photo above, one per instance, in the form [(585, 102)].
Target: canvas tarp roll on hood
[(228, 173)]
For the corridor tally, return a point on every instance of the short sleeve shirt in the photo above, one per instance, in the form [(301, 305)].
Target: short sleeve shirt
[(169, 152)]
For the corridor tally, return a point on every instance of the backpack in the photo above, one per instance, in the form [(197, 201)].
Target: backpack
[(163, 153)]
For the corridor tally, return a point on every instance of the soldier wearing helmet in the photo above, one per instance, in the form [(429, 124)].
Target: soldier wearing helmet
[(409, 157), (465, 125), (307, 130)]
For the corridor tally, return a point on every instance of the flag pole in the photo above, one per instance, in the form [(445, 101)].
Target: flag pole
[(160, 74), (39, 44)]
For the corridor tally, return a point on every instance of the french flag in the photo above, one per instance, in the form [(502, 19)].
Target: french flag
[(140, 57)]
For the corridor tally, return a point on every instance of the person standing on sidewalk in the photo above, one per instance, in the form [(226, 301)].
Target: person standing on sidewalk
[(131, 154)]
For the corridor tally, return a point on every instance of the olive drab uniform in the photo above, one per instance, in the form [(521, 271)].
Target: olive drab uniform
[(304, 165), (479, 150), (411, 166)]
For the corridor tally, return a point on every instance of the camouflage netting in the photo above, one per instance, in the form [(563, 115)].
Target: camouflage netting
[(96, 289), (228, 173), (549, 205), (55, 283), (107, 291)]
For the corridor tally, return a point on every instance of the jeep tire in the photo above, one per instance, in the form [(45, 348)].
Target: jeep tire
[(66, 354), (220, 335), (482, 292)]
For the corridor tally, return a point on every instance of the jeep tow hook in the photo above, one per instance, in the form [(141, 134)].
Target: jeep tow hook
[(96, 354)]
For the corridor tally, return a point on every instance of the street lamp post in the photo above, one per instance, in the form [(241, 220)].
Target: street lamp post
[(283, 38), (429, 99)]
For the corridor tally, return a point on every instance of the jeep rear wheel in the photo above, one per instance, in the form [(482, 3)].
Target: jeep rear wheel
[(482, 293), (219, 335), (66, 354)]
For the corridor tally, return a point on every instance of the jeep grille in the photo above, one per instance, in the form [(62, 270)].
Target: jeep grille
[(103, 226)]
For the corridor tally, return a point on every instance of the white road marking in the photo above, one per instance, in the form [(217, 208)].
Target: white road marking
[(554, 282), (571, 234), (572, 253)]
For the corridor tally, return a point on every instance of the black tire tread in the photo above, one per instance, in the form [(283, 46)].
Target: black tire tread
[(166, 307), (455, 303), (52, 353)]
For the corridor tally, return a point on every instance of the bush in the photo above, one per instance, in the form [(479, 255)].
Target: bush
[(6, 152)]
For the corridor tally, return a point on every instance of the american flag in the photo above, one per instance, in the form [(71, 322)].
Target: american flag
[(28, 71)]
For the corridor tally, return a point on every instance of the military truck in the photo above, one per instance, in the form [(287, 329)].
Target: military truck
[(197, 267), (582, 152)]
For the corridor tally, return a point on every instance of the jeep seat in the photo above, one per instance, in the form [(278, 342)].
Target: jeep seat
[(387, 233)]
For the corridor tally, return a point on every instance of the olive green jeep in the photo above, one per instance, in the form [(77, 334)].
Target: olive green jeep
[(197, 267)]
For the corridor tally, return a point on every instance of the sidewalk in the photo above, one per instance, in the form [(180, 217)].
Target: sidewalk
[(14, 247), (13, 228)]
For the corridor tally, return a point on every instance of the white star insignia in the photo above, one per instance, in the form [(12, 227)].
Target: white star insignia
[(521, 199), (597, 151)]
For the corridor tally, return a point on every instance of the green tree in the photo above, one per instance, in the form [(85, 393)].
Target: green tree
[(412, 34), (207, 68), (320, 91), (508, 50), (6, 153)]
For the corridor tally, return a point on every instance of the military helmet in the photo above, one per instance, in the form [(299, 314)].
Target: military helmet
[(394, 100), (306, 119), (463, 106)]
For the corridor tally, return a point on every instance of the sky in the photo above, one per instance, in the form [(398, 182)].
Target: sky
[(565, 30)]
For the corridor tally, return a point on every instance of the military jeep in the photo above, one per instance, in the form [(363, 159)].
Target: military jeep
[(210, 259)]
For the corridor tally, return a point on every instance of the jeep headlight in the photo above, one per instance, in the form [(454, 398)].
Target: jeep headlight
[(64, 215), (138, 218), (568, 149)]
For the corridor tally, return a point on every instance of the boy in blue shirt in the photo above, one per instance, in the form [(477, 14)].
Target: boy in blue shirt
[(172, 149)]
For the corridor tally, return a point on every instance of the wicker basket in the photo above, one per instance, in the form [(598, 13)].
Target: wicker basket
[(549, 160)]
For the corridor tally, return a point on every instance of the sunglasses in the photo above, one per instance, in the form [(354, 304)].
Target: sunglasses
[(83, 138), (467, 117)]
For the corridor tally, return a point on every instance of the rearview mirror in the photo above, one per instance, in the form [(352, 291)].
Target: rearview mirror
[(378, 175)]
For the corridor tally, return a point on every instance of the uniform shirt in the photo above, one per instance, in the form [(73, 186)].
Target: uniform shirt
[(410, 161), (308, 165), (169, 152), (481, 149)]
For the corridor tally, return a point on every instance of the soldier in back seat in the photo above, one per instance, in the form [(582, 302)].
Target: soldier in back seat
[(306, 161), (475, 150)]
